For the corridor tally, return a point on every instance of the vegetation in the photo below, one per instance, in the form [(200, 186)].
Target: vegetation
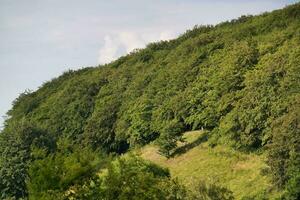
[(238, 80), (133, 178), (245, 174)]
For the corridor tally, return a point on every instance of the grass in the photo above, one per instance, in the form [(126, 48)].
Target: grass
[(240, 172)]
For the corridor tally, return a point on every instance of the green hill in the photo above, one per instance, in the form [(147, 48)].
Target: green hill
[(240, 172), (238, 80)]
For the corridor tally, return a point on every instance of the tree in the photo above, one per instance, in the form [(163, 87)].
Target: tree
[(132, 178), (16, 143), (170, 135), (52, 175), (284, 151)]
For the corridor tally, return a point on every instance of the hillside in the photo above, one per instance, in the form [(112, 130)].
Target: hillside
[(240, 172), (239, 81)]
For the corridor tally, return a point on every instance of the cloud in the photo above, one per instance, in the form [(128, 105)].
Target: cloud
[(124, 42), (118, 44), (131, 41), (109, 51), (167, 35)]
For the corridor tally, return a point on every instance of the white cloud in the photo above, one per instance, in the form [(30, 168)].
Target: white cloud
[(131, 41), (109, 51), (167, 35), (124, 42)]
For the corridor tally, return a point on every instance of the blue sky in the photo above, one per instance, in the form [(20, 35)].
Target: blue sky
[(40, 39)]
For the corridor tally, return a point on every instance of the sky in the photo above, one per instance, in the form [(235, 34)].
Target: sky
[(40, 39)]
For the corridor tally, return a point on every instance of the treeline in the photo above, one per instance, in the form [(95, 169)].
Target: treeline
[(239, 80)]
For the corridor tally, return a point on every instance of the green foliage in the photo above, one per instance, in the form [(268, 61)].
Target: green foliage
[(239, 80), (171, 134), (284, 151), (194, 160), (51, 175), (292, 186), (139, 131), (16, 143), (130, 178)]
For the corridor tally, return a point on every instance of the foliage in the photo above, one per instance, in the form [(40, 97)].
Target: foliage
[(129, 178), (239, 80), (239, 171), (284, 154), (50, 176), (171, 134), (15, 146)]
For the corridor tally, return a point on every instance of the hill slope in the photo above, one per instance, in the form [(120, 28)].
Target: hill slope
[(240, 172), (239, 80)]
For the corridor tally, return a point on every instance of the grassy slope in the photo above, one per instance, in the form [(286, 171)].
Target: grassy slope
[(238, 171)]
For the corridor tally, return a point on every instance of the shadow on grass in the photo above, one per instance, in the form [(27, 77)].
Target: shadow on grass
[(183, 149)]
